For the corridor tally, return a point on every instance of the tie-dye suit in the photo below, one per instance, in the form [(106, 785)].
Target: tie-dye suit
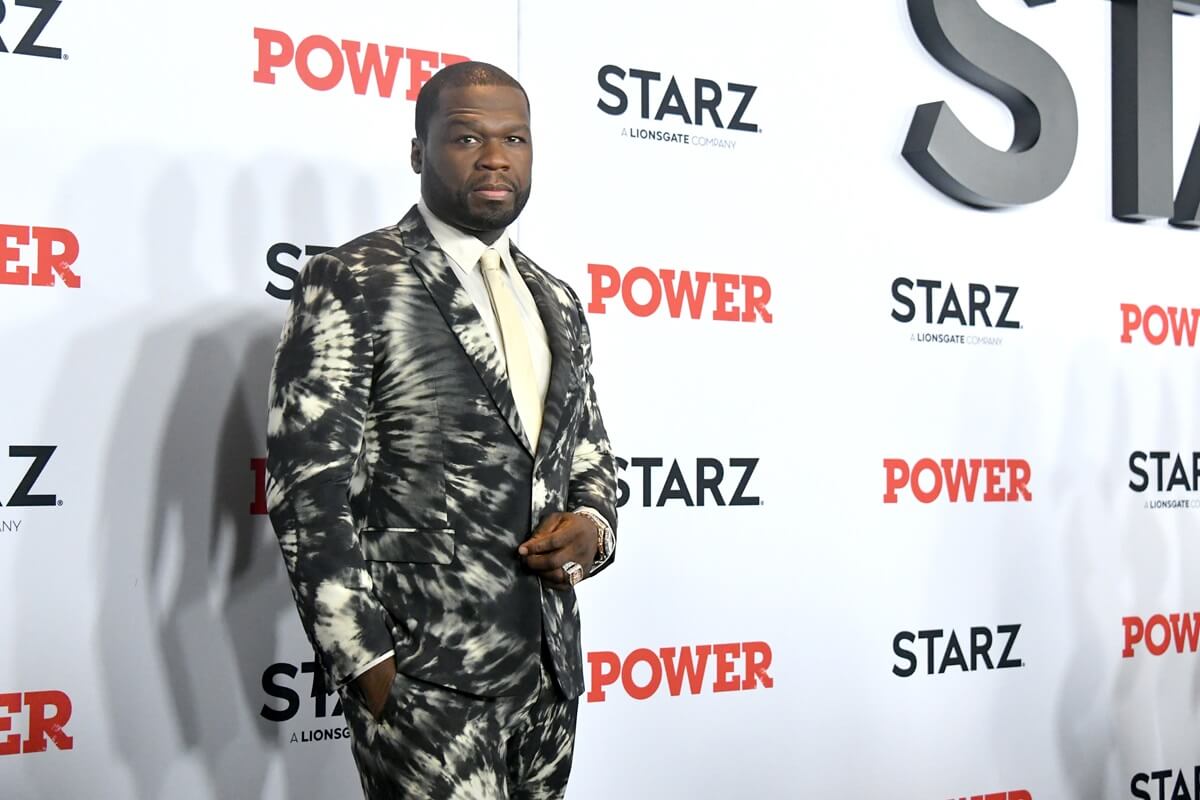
[(400, 484)]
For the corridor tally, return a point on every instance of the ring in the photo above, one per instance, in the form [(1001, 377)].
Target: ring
[(574, 572)]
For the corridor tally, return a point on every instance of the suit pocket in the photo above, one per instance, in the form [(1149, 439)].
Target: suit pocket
[(411, 545)]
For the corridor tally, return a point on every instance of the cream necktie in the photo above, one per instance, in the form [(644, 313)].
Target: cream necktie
[(515, 345)]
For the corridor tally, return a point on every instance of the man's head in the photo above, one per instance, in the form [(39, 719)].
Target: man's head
[(473, 148)]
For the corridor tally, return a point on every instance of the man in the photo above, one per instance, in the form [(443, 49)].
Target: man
[(439, 473)]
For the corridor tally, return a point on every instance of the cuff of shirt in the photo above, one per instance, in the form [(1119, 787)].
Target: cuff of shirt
[(605, 531), (369, 666)]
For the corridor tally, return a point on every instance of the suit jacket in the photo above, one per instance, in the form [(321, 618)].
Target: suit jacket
[(400, 481)]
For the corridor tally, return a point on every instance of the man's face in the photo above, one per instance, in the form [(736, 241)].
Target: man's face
[(477, 161)]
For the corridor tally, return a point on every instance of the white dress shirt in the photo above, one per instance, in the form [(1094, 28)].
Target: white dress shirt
[(464, 251)]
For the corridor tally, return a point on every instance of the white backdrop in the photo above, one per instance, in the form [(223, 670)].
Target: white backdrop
[(151, 596)]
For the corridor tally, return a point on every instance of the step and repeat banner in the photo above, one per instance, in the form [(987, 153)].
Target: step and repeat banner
[(894, 308)]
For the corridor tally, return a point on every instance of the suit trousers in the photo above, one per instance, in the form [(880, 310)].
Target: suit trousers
[(434, 743)]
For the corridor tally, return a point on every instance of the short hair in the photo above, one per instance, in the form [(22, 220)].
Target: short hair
[(459, 76)]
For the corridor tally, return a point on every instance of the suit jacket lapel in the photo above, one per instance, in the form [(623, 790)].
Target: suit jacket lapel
[(433, 268), (553, 306)]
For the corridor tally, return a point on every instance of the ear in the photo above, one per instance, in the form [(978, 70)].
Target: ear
[(417, 156)]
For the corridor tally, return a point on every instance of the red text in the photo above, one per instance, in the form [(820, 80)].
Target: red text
[(683, 292), (56, 249), (683, 669), (959, 479), (365, 64), (47, 714), (1161, 631), (1157, 324)]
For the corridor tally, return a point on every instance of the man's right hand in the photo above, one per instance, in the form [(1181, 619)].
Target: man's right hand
[(375, 685)]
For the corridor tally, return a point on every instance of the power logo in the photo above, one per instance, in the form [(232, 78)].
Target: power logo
[(1156, 324), (28, 45), (55, 251), (1160, 631), (735, 667), (959, 479), (46, 717), (365, 64), (643, 291), (1019, 794)]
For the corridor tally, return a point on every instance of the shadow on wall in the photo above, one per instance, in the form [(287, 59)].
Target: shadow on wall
[(192, 601), (1118, 717), (1092, 522)]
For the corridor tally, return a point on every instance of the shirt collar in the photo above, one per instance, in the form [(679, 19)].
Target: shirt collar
[(463, 247)]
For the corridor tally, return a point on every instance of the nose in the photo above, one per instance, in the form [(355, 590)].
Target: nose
[(492, 156)]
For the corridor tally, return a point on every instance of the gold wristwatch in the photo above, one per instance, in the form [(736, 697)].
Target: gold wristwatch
[(606, 542)]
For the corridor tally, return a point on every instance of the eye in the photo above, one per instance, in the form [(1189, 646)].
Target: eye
[(467, 139), (515, 139)]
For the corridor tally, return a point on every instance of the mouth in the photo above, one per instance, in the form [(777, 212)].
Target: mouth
[(493, 191)]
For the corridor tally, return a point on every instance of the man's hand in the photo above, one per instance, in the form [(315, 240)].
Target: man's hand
[(375, 685), (561, 537)]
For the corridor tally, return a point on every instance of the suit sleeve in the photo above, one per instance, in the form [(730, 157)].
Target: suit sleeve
[(320, 387), (593, 469)]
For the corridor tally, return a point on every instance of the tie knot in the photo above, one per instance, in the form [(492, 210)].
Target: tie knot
[(490, 260)]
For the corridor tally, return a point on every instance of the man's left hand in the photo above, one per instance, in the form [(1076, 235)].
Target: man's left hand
[(561, 537)]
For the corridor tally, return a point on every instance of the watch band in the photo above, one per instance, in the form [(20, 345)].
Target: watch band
[(603, 533)]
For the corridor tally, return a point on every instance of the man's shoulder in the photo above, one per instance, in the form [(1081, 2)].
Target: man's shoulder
[(383, 247)]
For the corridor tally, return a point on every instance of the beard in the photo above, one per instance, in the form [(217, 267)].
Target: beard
[(464, 210)]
